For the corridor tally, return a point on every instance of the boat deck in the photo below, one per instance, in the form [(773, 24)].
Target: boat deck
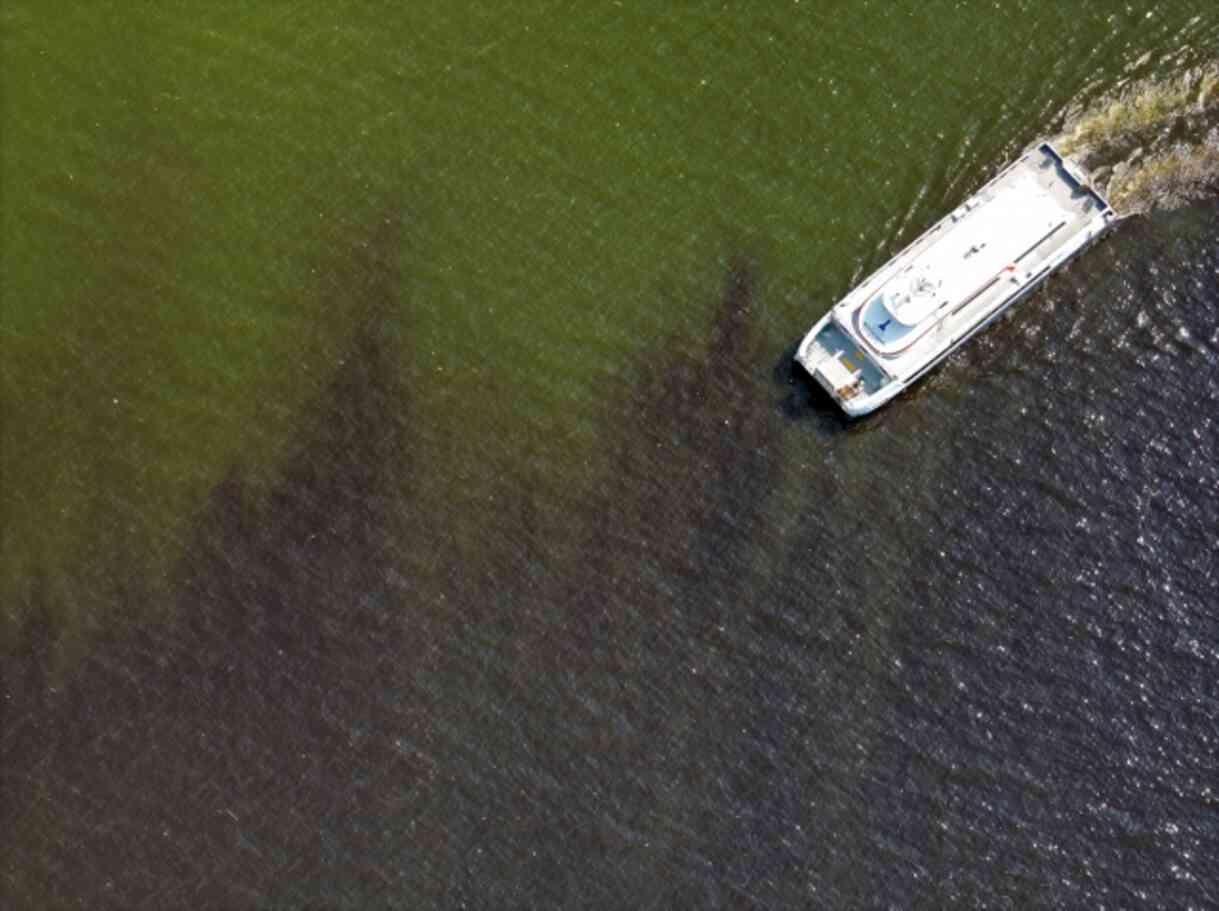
[(830, 341), (982, 256)]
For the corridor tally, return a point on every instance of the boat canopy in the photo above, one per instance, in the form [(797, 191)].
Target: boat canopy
[(915, 299)]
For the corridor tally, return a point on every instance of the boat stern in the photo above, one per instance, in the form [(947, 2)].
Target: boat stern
[(839, 366)]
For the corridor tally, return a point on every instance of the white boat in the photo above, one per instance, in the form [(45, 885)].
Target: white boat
[(954, 280)]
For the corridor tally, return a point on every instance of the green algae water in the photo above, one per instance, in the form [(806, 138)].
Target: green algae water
[(392, 337), (184, 193)]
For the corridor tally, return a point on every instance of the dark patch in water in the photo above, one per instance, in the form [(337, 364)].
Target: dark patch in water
[(975, 669), (311, 709), (803, 400), (202, 760), (76, 422), (573, 759)]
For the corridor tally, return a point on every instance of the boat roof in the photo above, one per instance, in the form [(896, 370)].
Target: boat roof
[(973, 261)]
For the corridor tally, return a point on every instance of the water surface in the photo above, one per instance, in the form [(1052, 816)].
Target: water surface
[(407, 499)]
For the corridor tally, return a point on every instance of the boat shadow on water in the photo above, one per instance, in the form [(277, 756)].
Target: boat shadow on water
[(803, 401)]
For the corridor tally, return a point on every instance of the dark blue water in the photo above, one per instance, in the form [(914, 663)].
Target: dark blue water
[(962, 654)]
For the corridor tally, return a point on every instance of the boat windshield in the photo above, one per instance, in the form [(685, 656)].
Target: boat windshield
[(881, 324)]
